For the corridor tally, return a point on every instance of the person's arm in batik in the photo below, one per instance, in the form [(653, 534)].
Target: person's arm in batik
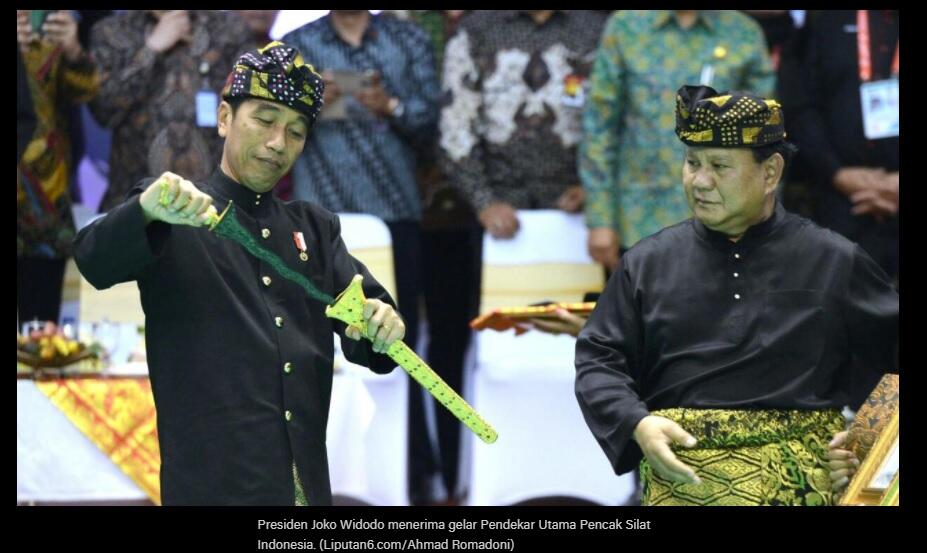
[(418, 106), (127, 67), (78, 77), (598, 151)]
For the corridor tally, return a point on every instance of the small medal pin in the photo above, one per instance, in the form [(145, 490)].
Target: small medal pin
[(573, 94), (300, 242)]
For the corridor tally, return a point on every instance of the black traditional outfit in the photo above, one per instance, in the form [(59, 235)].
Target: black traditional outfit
[(240, 358), (748, 345)]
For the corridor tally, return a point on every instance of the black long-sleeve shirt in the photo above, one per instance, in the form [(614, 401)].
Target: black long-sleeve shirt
[(773, 321), (232, 345)]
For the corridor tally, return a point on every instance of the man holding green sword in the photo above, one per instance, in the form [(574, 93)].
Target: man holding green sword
[(240, 358)]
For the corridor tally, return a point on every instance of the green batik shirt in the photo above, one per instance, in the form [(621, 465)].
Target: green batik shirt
[(630, 160)]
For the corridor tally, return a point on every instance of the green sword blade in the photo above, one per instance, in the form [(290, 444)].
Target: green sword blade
[(349, 308), (227, 226)]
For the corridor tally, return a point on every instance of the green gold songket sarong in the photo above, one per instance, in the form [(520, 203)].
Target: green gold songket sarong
[(749, 457)]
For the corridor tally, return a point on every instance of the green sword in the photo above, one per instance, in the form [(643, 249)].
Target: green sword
[(349, 308)]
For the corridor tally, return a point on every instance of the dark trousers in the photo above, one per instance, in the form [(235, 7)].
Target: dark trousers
[(442, 264), (39, 281), (452, 286)]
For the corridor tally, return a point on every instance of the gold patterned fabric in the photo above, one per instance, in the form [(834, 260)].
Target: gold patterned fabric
[(749, 457), (301, 500), (118, 416), (705, 117), (44, 222), (872, 417)]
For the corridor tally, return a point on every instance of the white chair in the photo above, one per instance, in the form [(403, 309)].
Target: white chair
[(524, 385)]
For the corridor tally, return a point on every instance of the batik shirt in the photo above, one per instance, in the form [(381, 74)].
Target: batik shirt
[(366, 164), (513, 96), (44, 224), (149, 99)]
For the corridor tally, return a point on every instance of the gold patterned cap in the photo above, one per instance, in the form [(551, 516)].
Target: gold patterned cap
[(277, 73), (727, 120)]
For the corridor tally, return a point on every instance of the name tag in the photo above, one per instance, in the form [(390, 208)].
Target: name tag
[(880, 108), (207, 105)]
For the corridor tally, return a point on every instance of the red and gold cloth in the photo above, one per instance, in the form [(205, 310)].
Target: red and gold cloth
[(118, 415)]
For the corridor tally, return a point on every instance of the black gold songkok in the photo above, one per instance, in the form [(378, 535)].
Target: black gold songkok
[(707, 118), (277, 73)]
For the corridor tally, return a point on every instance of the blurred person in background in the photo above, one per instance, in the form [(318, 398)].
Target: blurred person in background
[(161, 74), (515, 86), (58, 74), (839, 57)]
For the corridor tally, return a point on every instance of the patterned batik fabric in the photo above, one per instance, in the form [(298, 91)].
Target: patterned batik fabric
[(44, 223), (511, 118), (118, 415), (149, 100), (873, 416), (278, 73), (710, 119), (749, 457), (630, 160), (301, 500), (366, 163)]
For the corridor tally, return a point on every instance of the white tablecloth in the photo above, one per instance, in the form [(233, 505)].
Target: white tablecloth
[(55, 462)]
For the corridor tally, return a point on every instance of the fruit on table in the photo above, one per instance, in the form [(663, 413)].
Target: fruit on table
[(61, 346), (48, 344)]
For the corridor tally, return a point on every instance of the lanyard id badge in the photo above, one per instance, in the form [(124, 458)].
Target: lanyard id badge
[(207, 101), (880, 108), (879, 99), (207, 106)]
